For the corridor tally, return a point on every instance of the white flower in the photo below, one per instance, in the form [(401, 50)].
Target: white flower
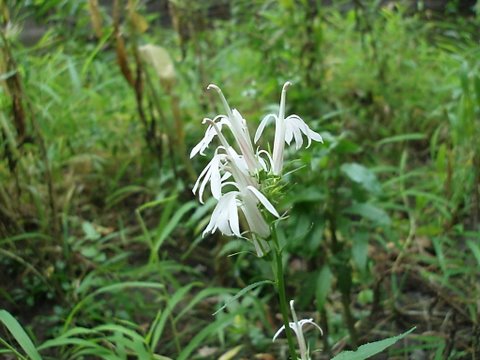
[(297, 326), (225, 215), (229, 169), (212, 173), (210, 133), (238, 126), (286, 129)]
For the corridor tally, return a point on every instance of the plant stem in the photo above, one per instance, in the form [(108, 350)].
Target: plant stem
[(280, 282)]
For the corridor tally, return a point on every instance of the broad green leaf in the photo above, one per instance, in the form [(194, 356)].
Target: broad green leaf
[(370, 212), (363, 176), (360, 250), (89, 231), (370, 349), (324, 284), (19, 335)]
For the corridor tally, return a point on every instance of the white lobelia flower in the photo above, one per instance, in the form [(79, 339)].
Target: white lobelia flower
[(297, 326), (227, 164), (238, 126), (225, 215), (286, 129)]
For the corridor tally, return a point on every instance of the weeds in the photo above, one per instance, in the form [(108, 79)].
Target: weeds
[(101, 246)]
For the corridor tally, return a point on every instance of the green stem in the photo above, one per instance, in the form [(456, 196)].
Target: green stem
[(280, 282)]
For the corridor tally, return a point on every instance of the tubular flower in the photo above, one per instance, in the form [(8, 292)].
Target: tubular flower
[(238, 126), (234, 170), (225, 215), (239, 172), (286, 129), (297, 326)]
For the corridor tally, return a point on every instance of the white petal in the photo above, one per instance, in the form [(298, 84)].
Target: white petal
[(288, 133), (256, 221), (269, 157), (203, 144), (204, 183), (215, 179), (279, 331), (309, 321), (315, 136), (265, 121), (268, 205), (196, 149), (233, 220), (298, 138), (202, 174), (225, 176), (219, 218)]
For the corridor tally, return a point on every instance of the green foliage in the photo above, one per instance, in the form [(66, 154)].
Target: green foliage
[(101, 250), (368, 350)]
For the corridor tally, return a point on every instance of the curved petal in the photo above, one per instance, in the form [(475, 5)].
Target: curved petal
[(202, 175), (310, 321), (268, 205), (206, 178), (265, 121), (269, 157), (314, 135), (279, 331), (215, 179), (233, 219), (220, 215), (203, 144)]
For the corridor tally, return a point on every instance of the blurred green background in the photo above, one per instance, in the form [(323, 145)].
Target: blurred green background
[(101, 253)]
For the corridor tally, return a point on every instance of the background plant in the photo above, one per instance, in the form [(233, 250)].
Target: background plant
[(394, 90)]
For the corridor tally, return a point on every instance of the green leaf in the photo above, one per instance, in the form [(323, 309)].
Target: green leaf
[(242, 292), (360, 250), (324, 284), (171, 225), (402, 137), (370, 212), (361, 175), (19, 334), (370, 349), (122, 286), (475, 250), (158, 325), (89, 231), (214, 327)]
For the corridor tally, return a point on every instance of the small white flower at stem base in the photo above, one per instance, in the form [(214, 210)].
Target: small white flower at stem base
[(286, 129), (296, 326)]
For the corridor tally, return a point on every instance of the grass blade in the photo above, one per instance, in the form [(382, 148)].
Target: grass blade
[(19, 334)]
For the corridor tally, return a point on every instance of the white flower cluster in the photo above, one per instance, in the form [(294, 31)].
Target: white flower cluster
[(233, 172)]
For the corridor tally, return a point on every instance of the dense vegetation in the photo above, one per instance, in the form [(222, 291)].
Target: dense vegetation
[(101, 247)]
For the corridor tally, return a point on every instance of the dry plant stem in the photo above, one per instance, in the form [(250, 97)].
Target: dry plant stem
[(280, 285), (20, 97)]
